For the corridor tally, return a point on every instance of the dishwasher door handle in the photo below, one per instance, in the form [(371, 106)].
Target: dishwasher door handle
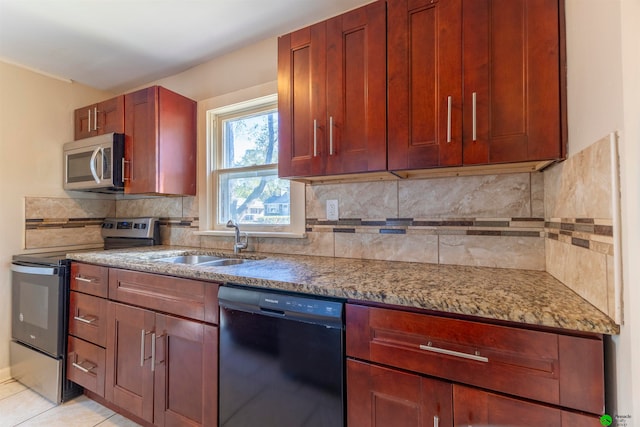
[(271, 311)]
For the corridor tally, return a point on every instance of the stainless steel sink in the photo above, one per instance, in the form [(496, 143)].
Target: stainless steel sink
[(190, 259), (223, 262), (203, 260)]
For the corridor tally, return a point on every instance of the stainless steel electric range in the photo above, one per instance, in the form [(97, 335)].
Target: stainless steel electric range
[(40, 308)]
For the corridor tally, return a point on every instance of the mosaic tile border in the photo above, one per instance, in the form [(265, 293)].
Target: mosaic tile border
[(503, 227), (53, 223), (588, 233)]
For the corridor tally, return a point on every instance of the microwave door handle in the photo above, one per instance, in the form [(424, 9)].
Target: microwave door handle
[(92, 165), (102, 163)]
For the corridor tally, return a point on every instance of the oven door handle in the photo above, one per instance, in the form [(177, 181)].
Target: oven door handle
[(41, 271)]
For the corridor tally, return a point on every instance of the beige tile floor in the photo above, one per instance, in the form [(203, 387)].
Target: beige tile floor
[(22, 407)]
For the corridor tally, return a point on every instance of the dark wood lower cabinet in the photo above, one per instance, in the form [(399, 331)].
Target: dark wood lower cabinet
[(129, 375), (160, 368), (186, 373), (409, 369), (379, 396)]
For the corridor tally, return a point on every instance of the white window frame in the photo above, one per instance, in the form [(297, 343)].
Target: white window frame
[(212, 113)]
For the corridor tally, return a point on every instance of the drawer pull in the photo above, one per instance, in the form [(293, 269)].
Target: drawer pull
[(475, 357), (85, 319), (436, 421), (82, 368), (82, 279)]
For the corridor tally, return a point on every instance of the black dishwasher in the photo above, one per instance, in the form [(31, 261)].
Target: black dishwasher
[(281, 360)]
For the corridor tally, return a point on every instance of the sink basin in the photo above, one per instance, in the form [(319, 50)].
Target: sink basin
[(190, 259), (223, 262), (202, 260)]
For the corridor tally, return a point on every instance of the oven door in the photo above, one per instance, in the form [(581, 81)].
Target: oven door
[(37, 295)]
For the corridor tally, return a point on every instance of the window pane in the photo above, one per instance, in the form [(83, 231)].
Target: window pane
[(250, 140), (254, 198)]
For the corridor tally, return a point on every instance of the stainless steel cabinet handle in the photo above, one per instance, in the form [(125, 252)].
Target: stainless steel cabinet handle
[(315, 138), (331, 135), (474, 99), (95, 118), (86, 319), (142, 334), (89, 122), (475, 357), (82, 368), (153, 352), (82, 279), (124, 178), (449, 99), (436, 421)]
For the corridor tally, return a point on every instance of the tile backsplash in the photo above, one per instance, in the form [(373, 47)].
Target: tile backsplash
[(60, 222), (558, 221), (579, 248)]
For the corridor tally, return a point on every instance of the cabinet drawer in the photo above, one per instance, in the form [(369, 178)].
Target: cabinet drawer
[(188, 298), (88, 318), (86, 365), (544, 366), (90, 279)]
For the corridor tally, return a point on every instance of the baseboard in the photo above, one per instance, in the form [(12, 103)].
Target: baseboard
[(5, 374)]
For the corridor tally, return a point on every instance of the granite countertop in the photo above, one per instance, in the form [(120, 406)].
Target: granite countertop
[(523, 296)]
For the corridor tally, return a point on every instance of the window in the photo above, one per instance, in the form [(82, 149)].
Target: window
[(243, 139)]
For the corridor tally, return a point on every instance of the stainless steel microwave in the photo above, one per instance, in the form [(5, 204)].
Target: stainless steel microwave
[(95, 164)]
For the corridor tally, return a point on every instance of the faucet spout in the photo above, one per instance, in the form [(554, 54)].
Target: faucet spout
[(238, 244)]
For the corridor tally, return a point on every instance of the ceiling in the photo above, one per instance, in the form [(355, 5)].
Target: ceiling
[(116, 45)]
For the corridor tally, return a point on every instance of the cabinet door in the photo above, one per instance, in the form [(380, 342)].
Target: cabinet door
[(301, 101), (129, 375), (424, 83), (160, 142), (110, 115), (186, 375), (382, 397), (355, 140), (141, 112), (472, 407), (83, 122), (97, 119), (511, 81)]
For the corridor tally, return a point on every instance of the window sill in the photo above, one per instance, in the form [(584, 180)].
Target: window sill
[(280, 235)]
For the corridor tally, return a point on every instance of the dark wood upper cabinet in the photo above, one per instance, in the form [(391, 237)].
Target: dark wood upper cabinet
[(97, 119), (470, 82), (425, 90), (331, 95), (160, 142), (474, 82), (512, 81)]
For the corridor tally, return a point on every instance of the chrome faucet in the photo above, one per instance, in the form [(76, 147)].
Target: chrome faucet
[(238, 245)]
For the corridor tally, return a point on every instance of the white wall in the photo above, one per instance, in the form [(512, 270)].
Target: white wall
[(251, 66), (603, 57), (628, 362), (36, 118)]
